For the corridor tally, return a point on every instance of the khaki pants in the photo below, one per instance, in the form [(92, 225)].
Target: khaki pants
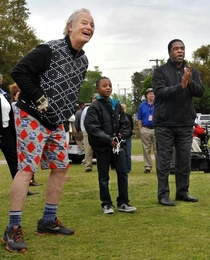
[(78, 139), (148, 142), (88, 151), (196, 142)]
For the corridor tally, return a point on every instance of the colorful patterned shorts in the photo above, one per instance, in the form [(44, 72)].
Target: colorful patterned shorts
[(37, 144)]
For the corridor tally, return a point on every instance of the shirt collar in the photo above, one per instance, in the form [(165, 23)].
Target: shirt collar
[(75, 52)]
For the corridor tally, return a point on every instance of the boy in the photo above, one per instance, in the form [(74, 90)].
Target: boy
[(107, 128)]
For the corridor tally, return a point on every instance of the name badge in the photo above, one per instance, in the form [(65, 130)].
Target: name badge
[(150, 118)]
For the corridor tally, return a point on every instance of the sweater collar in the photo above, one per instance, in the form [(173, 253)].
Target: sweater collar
[(73, 51)]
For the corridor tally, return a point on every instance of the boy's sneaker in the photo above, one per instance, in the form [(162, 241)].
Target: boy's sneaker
[(13, 238), (125, 207), (107, 209), (54, 227)]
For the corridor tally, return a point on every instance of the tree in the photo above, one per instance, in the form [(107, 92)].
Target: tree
[(89, 85), (128, 100), (202, 55), (201, 61), (138, 86), (147, 84), (17, 38)]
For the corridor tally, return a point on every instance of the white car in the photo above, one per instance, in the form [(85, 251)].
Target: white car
[(75, 154), (204, 121)]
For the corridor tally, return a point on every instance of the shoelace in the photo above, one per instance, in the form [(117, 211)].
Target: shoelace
[(110, 206), (117, 149), (18, 234), (58, 223)]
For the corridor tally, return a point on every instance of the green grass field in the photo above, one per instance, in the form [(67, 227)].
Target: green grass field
[(153, 232)]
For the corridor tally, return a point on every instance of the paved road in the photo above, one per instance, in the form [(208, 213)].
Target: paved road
[(139, 158), (135, 158), (3, 162)]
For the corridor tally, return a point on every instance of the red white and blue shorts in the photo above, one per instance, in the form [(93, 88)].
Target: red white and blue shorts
[(37, 144)]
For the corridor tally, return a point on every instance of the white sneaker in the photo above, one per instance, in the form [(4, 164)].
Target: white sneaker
[(125, 207), (107, 209)]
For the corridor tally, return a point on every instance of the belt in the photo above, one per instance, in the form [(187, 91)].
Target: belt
[(149, 127)]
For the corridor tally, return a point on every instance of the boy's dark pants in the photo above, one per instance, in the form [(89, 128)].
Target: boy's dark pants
[(104, 160)]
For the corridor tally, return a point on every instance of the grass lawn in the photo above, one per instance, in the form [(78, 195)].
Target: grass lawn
[(153, 232)]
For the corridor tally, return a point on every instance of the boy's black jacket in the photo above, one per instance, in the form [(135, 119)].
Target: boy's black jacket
[(102, 123)]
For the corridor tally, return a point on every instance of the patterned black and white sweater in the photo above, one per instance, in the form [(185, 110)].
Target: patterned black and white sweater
[(56, 70)]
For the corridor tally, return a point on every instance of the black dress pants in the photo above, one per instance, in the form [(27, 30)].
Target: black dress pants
[(181, 139)]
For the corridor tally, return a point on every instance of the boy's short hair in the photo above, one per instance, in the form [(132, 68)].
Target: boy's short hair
[(98, 81)]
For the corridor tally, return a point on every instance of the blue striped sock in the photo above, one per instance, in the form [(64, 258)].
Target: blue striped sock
[(50, 211), (14, 218)]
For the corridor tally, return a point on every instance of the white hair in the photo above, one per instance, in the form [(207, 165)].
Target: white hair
[(72, 19)]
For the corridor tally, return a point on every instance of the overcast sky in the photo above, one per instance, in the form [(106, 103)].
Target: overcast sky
[(128, 33)]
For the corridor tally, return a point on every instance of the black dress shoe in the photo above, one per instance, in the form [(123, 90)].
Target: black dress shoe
[(35, 183), (166, 202), (187, 198), (147, 171), (88, 170), (32, 193)]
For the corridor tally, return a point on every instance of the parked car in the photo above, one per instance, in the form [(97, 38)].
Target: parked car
[(75, 154), (204, 120)]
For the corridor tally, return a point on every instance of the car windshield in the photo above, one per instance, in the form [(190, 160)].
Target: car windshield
[(205, 117)]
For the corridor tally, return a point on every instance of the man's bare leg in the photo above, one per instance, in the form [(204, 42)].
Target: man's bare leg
[(49, 224), (55, 185), (19, 190)]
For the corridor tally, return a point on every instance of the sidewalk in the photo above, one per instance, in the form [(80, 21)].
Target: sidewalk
[(135, 158), (3, 162), (139, 158)]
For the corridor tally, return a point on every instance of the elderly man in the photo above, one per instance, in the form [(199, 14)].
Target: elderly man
[(49, 77)]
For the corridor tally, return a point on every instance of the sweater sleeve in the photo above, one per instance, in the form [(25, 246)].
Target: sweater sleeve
[(162, 90), (26, 71)]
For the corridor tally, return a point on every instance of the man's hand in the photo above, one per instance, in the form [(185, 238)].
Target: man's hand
[(42, 104), (187, 77)]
